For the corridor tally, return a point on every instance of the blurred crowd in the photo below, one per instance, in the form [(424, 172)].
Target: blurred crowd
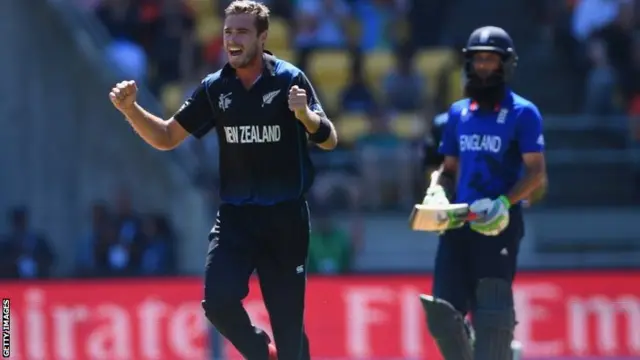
[(600, 40), (119, 242), (171, 44)]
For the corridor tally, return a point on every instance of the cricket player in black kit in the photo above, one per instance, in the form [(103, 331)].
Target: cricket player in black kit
[(493, 150), (264, 111), (432, 159)]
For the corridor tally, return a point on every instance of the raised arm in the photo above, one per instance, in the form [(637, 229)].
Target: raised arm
[(320, 129), (194, 117)]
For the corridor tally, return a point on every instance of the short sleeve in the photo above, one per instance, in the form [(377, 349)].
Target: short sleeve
[(529, 131), (314, 103), (196, 115), (449, 140)]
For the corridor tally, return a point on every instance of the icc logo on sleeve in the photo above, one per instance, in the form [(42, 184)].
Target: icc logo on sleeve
[(225, 101)]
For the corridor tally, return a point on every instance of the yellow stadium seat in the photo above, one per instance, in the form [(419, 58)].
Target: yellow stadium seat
[(376, 66), (202, 7), (172, 97), (279, 38), (430, 62), (456, 86), (285, 54), (330, 98), (208, 28), (408, 126), (351, 127), (329, 69)]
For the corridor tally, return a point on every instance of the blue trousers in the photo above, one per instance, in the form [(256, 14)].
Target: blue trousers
[(465, 256)]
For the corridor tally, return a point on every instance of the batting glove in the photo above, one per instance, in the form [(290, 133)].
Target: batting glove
[(493, 215)]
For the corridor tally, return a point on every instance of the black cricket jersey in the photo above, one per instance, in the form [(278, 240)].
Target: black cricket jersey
[(264, 153), (431, 156)]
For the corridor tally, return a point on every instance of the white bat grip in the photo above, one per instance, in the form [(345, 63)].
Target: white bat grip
[(435, 177)]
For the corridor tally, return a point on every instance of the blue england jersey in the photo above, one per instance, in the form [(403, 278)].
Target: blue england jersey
[(489, 145)]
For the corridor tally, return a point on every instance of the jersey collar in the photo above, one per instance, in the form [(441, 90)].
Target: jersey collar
[(268, 62)]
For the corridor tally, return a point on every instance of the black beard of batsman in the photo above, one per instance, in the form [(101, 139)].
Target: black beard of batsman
[(487, 92)]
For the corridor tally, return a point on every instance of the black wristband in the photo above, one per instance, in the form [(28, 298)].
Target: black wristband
[(323, 132)]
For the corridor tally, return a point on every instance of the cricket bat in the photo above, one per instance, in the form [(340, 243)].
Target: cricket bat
[(436, 217)]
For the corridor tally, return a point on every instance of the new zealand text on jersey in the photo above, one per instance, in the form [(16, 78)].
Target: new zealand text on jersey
[(252, 134), (477, 143)]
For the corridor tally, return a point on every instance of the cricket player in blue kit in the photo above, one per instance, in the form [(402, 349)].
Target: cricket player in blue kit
[(493, 147)]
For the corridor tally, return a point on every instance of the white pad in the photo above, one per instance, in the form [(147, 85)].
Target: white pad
[(425, 217), (516, 347)]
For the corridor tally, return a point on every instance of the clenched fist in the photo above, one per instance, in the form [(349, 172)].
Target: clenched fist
[(124, 94), (298, 101)]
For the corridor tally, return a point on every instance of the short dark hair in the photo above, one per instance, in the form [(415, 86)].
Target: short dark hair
[(259, 10)]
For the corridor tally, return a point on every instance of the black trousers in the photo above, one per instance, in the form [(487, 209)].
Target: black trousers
[(464, 257), (274, 241)]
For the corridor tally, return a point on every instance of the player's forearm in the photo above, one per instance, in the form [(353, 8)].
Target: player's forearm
[(151, 128), (311, 121), (444, 177), (523, 189)]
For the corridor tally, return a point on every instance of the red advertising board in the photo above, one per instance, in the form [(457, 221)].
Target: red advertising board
[(560, 315)]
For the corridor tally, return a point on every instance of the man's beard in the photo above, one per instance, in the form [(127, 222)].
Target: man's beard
[(486, 92), (248, 58)]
